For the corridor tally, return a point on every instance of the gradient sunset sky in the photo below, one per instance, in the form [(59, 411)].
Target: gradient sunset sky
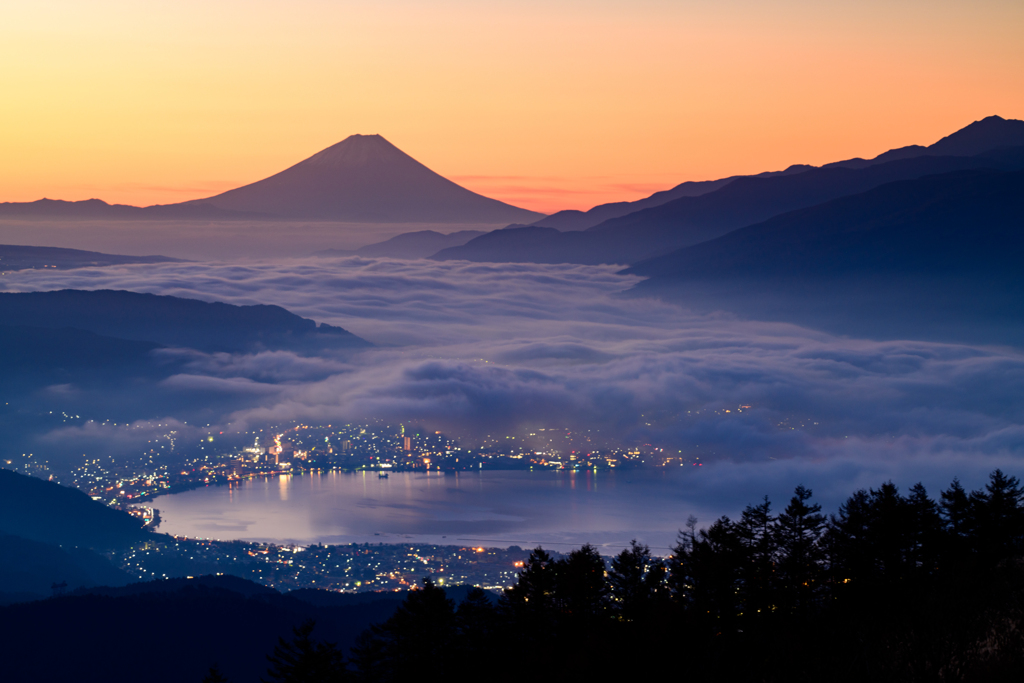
[(547, 105)]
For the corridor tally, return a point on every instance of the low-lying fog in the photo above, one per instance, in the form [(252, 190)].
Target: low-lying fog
[(201, 240), (480, 349)]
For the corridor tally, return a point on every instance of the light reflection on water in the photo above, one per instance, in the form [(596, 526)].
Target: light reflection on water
[(497, 508)]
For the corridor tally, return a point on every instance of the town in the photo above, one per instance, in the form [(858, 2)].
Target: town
[(355, 568), (171, 465)]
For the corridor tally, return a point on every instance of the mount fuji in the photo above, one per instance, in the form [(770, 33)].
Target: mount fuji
[(364, 178)]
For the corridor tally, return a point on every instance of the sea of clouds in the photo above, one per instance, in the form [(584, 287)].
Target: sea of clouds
[(484, 349)]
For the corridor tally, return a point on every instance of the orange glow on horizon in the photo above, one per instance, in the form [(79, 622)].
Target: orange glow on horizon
[(544, 105)]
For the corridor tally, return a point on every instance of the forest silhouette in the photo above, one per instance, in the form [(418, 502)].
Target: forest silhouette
[(892, 586)]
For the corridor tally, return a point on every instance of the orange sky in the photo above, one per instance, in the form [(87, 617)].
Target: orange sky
[(548, 105)]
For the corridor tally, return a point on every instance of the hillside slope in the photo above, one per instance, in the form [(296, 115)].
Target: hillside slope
[(50, 513), (172, 321)]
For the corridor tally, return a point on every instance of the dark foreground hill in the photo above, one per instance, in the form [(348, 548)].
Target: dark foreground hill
[(30, 570), (50, 513), (167, 631), (172, 321), (938, 256), (174, 630)]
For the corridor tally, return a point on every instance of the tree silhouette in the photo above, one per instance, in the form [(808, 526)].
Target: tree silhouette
[(757, 533), (801, 553), (879, 591), (303, 660), (477, 630), (636, 582), (998, 517), (533, 595), (580, 587), (925, 532), (681, 578), (214, 675), (420, 634)]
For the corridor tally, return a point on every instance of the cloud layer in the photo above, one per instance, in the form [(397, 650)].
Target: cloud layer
[(494, 348)]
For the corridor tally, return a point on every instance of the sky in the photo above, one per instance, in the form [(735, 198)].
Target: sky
[(547, 105)]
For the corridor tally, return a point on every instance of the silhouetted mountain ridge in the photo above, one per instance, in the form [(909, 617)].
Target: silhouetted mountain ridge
[(935, 258), (961, 222), (692, 220), (19, 257), (976, 138), (97, 209), (172, 321)]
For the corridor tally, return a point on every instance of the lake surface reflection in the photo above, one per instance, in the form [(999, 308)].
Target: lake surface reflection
[(499, 508)]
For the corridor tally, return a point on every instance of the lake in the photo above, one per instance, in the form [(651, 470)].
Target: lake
[(560, 510)]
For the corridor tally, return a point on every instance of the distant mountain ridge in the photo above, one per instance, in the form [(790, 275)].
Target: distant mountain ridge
[(581, 220), (936, 257), (977, 138), (19, 257), (980, 137), (97, 209), (691, 220), (966, 221), (172, 321)]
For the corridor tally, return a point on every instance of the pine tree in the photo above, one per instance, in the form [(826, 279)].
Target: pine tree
[(477, 627), (476, 615), (303, 660), (889, 534), (925, 532), (717, 565), (680, 580), (999, 517), (757, 535), (956, 508), (214, 675), (636, 582), (421, 629), (370, 656), (801, 553), (534, 592), (847, 544), (581, 591)]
